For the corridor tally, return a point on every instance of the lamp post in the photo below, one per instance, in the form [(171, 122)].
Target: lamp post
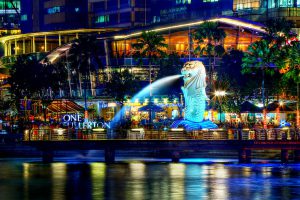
[(220, 94)]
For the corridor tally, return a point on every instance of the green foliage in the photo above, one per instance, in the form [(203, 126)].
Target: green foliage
[(272, 54), (122, 84), (262, 55), (279, 29), (232, 100), (171, 65), (83, 54), (292, 69), (210, 31), (32, 79), (150, 45), (209, 38), (211, 35)]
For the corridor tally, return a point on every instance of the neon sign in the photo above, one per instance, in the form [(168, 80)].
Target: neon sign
[(76, 121)]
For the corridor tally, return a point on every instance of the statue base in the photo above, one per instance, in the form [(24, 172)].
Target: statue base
[(192, 126)]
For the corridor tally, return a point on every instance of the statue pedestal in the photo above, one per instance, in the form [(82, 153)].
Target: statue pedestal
[(192, 126)]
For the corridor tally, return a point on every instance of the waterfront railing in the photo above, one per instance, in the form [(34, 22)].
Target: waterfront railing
[(59, 134)]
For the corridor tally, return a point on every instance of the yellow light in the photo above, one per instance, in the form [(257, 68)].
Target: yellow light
[(165, 100), (177, 129), (98, 129), (220, 93), (234, 22), (281, 103), (137, 129), (111, 104), (155, 100)]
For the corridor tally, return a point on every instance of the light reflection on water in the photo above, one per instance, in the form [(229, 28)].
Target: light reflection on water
[(147, 180)]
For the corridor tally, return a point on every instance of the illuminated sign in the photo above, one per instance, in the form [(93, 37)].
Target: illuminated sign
[(76, 121)]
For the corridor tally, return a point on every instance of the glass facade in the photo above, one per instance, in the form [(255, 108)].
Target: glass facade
[(261, 10), (246, 4), (170, 10), (9, 13), (119, 13)]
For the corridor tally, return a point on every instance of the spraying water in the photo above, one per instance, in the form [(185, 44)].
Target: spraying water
[(145, 92)]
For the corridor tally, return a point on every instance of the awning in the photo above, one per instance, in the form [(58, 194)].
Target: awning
[(281, 108), (248, 107), (64, 106)]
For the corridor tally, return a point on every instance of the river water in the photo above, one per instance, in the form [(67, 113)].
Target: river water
[(191, 179)]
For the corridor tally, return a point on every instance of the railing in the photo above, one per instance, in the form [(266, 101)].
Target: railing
[(61, 134)]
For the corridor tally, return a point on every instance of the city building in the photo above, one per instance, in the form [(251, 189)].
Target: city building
[(50, 15), (266, 9), (10, 14), (169, 11), (119, 13)]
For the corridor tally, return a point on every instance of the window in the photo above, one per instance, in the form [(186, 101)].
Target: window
[(23, 17), (183, 1), (210, 1), (102, 19), (285, 3), (53, 10)]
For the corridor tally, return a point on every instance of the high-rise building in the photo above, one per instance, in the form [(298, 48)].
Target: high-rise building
[(46, 15), (178, 10), (9, 14), (119, 13), (261, 10)]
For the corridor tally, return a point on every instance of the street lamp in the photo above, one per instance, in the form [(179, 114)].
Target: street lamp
[(219, 94)]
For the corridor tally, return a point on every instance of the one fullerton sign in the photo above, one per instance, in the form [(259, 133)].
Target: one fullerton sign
[(76, 121)]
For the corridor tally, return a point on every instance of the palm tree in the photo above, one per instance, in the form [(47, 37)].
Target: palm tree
[(85, 63), (125, 80), (291, 71), (150, 45), (32, 80), (270, 52), (209, 38)]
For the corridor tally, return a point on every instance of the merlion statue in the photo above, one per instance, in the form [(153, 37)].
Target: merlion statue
[(194, 77)]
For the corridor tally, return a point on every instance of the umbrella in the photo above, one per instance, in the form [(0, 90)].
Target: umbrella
[(250, 108), (282, 108), (151, 107)]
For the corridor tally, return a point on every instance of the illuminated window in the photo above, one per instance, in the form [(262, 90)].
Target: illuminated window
[(23, 17), (183, 1), (53, 10), (102, 19), (210, 1), (285, 3), (8, 5)]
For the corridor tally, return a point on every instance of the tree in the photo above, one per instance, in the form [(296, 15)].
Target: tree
[(122, 84), (32, 80), (171, 65), (85, 63), (270, 53), (209, 38), (150, 45), (83, 55)]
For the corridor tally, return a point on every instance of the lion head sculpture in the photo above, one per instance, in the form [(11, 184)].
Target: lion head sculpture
[(194, 74), (194, 78)]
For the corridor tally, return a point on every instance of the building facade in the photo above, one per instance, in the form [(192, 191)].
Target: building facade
[(10, 14), (49, 15), (119, 13)]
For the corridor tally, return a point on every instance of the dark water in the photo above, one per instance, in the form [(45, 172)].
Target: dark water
[(24, 179)]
